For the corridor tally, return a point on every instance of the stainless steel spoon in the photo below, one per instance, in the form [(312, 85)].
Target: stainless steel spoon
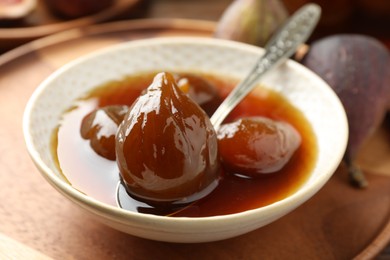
[(295, 32)]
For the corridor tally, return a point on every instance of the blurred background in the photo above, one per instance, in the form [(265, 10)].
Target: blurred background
[(25, 20)]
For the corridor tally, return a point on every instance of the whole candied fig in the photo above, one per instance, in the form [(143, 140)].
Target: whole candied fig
[(253, 146), (100, 128), (166, 147), (200, 90), (357, 67)]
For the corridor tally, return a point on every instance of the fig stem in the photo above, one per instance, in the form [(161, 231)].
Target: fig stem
[(280, 47), (356, 175)]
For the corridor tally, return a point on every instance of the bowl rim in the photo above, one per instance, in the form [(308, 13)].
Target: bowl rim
[(124, 216)]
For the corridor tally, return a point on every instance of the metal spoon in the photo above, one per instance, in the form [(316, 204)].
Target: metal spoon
[(285, 42)]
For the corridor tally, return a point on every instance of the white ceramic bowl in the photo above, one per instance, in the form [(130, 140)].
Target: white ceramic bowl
[(304, 89)]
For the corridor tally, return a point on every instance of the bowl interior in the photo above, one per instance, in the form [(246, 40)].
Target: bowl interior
[(300, 86)]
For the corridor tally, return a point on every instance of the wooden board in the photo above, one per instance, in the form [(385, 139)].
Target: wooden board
[(42, 22), (339, 222)]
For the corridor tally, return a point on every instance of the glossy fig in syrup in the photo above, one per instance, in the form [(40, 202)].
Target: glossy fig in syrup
[(256, 145), (100, 127), (200, 90), (166, 147)]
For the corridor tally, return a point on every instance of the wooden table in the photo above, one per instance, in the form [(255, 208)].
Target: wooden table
[(35, 221)]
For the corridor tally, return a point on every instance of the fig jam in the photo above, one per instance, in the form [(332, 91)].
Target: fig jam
[(98, 177)]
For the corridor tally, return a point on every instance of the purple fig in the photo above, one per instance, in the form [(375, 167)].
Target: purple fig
[(357, 67), (251, 21)]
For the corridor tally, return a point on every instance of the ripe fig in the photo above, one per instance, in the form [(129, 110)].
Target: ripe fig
[(100, 128), (166, 147), (254, 146), (251, 21), (200, 90), (357, 67)]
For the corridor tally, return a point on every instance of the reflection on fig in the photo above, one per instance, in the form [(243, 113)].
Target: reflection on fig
[(166, 147), (254, 146)]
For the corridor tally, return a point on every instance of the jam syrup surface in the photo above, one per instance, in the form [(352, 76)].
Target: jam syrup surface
[(98, 177)]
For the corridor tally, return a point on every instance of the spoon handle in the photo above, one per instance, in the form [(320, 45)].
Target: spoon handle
[(285, 42)]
